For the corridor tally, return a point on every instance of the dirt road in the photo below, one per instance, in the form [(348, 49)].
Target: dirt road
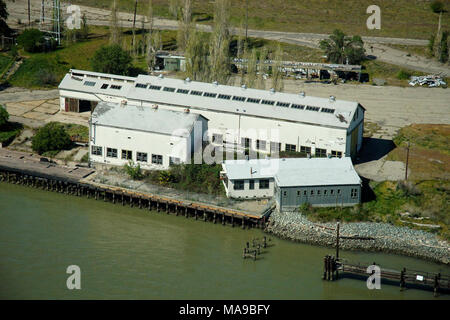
[(96, 16)]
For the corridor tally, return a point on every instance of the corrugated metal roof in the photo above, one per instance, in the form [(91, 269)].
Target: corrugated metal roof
[(344, 108), (144, 119), (335, 113), (290, 172), (94, 85)]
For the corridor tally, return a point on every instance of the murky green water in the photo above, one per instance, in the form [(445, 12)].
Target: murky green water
[(129, 253)]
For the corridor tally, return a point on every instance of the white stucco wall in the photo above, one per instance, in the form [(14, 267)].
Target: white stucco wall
[(251, 127), (247, 193), (138, 141)]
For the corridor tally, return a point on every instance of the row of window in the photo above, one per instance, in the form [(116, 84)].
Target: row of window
[(128, 155), (239, 184), (276, 146), (235, 98), (324, 192)]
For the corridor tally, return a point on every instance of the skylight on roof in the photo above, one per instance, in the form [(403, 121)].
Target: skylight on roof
[(283, 104), (327, 110), (268, 102), (196, 93), (237, 98), (114, 86), (89, 83), (311, 108), (224, 96), (210, 94), (104, 86), (153, 87), (184, 91), (253, 100), (298, 106), (141, 85), (169, 89)]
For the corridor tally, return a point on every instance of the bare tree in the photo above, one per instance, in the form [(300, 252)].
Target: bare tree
[(277, 76), (220, 42), (114, 25), (184, 26)]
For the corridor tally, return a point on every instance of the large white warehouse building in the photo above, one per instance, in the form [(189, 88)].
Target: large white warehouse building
[(261, 120)]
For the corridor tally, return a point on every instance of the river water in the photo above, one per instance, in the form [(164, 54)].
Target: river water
[(128, 253)]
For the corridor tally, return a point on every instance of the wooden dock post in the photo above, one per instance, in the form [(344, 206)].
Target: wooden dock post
[(436, 284), (402, 279), (114, 197), (140, 202), (123, 200), (232, 220), (243, 222), (157, 206), (186, 212)]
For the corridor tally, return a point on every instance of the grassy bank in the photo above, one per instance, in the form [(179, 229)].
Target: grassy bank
[(424, 202), (400, 18), (429, 154), (426, 194)]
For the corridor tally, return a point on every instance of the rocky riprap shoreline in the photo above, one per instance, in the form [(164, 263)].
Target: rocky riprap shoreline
[(388, 238)]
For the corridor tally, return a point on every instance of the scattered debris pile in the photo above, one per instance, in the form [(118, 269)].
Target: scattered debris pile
[(429, 80)]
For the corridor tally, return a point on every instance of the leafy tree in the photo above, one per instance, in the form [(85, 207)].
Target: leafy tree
[(437, 6), (111, 59), (339, 48), (32, 40), (219, 62), (197, 57), (443, 48), (4, 28), (4, 115), (51, 137)]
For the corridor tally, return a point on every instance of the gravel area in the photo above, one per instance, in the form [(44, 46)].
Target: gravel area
[(388, 238)]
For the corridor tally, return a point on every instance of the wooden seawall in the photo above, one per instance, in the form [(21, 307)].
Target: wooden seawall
[(73, 186)]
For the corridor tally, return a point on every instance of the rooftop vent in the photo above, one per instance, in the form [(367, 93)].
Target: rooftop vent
[(215, 83), (302, 94), (161, 76), (272, 90), (332, 98), (187, 110), (155, 106), (187, 79), (244, 86)]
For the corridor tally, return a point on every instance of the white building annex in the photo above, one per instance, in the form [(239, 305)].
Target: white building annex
[(262, 120), (294, 181), (152, 137)]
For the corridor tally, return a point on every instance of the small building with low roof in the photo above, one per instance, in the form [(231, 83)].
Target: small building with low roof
[(294, 181), (153, 137)]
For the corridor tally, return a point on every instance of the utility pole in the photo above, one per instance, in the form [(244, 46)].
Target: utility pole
[(246, 21), (134, 22), (29, 14), (407, 159), (337, 241)]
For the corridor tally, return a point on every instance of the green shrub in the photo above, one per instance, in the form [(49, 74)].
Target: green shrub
[(133, 170), (111, 59), (403, 75), (51, 137), (32, 40), (4, 116)]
